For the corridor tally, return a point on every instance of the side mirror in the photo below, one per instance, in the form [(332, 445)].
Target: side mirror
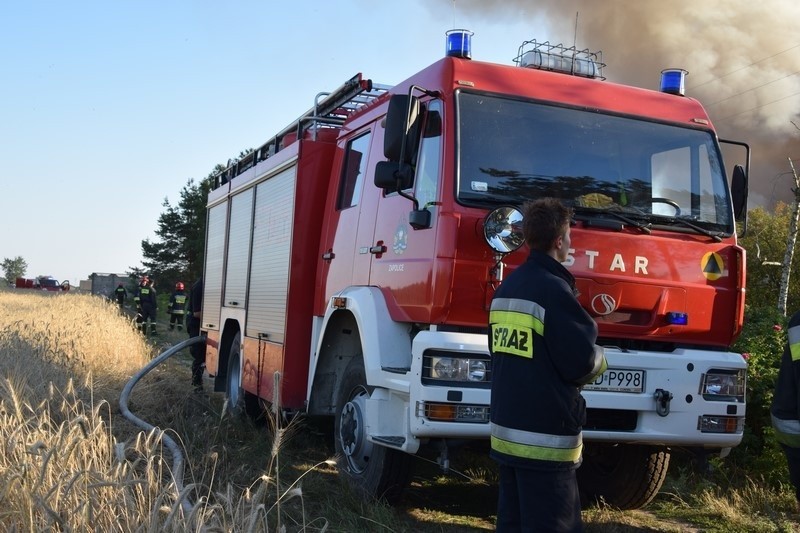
[(390, 178), (402, 125), (739, 192), (739, 197)]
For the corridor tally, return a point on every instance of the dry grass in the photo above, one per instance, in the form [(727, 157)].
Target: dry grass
[(70, 462)]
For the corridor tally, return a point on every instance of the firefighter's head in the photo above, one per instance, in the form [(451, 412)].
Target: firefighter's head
[(179, 286), (145, 281), (546, 226)]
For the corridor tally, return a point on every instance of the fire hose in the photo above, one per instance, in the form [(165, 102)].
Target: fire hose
[(177, 455)]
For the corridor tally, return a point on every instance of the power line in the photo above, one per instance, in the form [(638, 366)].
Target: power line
[(745, 67), (755, 108), (753, 88)]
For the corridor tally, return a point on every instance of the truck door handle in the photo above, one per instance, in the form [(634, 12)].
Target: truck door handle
[(329, 255), (378, 249)]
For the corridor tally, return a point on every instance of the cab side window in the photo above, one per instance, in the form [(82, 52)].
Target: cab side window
[(354, 169), (429, 156)]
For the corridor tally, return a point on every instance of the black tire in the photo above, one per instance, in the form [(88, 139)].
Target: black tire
[(239, 401), (624, 476), (373, 470)]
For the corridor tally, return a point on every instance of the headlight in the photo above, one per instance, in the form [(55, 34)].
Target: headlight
[(719, 385), (470, 370), (502, 229)]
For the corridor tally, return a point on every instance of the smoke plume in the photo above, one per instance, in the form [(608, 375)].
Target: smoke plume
[(743, 60)]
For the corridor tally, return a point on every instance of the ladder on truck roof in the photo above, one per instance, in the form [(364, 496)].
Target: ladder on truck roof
[(330, 110)]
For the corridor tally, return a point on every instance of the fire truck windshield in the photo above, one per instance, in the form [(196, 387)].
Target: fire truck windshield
[(511, 150)]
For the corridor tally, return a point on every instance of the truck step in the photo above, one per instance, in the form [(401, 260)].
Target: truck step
[(396, 370), (394, 442)]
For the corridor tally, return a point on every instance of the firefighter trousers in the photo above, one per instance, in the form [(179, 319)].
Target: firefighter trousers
[(198, 352), (538, 500)]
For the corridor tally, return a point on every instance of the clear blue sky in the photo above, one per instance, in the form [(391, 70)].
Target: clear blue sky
[(108, 107)]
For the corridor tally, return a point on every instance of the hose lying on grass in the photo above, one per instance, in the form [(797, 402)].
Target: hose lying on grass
[(177, 456)]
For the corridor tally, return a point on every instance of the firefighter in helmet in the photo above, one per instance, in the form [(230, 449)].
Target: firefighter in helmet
[(147, 305), (177, 307)]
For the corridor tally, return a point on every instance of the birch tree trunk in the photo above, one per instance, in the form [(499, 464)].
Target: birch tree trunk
[(790, 242)]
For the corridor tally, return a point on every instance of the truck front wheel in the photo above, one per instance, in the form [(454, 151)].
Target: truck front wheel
[(373, 470), (625, 476)]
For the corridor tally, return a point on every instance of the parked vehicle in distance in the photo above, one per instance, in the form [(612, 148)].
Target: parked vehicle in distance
[(44, 283)]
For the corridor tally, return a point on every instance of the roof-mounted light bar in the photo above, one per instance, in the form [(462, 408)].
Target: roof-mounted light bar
[(559, 58)]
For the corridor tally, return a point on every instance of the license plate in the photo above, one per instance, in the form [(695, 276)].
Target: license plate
[(618, 380)]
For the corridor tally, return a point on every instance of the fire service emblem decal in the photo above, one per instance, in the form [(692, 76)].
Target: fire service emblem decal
[(604, 304)]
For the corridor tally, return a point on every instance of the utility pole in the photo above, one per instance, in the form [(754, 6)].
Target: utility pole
[(791, 238)]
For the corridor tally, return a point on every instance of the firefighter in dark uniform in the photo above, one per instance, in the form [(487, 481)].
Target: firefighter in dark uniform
[(543, 350), (120, 293), (177, 307), (137, 301), (785, 409), (148, 305), (198, 351)]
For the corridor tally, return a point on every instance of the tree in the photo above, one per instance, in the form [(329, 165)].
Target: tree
[(14, 268), (790, 242), (765, 243), (177, 254)]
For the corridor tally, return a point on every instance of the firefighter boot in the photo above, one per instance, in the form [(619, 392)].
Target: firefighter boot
[(197, 376)]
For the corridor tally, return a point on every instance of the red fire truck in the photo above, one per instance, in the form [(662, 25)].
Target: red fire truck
[(45, 283), (351, 260)]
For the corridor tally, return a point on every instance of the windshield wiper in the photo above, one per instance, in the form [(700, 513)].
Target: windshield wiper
[(644, 228), (717, 236)]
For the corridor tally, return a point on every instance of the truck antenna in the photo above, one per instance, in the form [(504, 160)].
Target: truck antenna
[(575, 36)]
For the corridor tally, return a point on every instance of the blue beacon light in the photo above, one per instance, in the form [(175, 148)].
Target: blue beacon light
[(459, 43), (676, 318), (672, 81)]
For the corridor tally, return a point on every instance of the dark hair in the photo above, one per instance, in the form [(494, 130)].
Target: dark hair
[(543, 221)]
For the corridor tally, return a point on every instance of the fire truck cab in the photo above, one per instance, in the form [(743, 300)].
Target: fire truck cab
[(352, 258)]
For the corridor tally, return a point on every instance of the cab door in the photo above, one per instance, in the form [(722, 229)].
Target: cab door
[(406, 268), (347, 237)]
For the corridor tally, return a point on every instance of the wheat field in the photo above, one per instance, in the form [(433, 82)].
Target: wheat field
[(69, 462)]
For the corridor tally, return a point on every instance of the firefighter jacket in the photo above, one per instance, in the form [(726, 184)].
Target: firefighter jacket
[(147, 297), (120, 293), (543, 350), (785, 409), (177, 303)]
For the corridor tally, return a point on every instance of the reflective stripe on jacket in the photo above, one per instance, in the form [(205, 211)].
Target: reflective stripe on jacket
[(785, 408), (177, 303), (543, 349)]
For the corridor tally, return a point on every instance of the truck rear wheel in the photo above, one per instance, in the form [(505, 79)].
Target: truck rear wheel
[(373, 470), (625, 476), (239, 401)]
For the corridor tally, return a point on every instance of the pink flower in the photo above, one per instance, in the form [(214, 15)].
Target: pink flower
[(777, 327), (745, 356)]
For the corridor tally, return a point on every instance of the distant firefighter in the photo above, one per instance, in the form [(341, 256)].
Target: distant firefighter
[(177, 307), (120, 293), (147, 305)]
